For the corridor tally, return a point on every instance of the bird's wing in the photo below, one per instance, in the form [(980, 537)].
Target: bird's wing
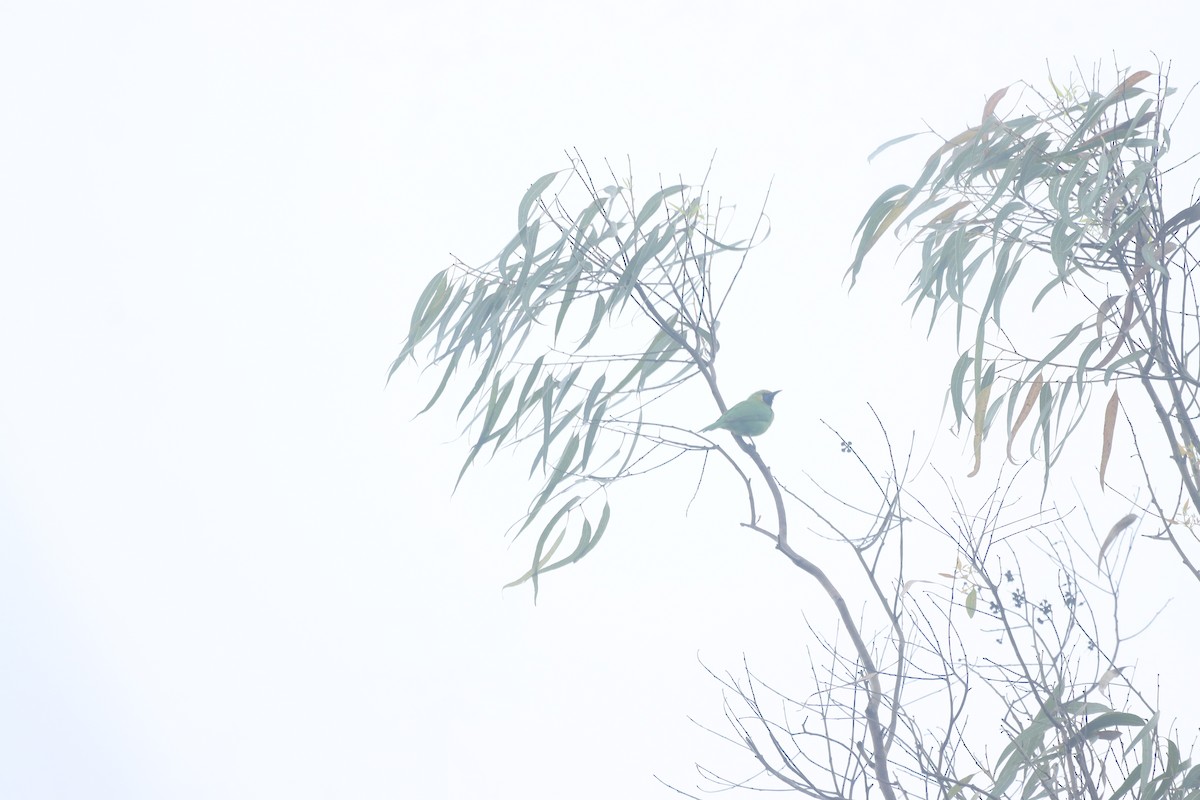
[(757, 412)]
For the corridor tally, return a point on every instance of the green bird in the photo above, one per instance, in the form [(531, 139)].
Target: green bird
[(751, 417)]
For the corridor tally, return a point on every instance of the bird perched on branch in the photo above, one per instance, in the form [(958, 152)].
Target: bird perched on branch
[(751, 417)]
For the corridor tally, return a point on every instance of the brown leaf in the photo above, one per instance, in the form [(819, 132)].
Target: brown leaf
[(948, 213), (950, 144), (1110, 424), (892, 215), (993, 101), (1109, 675), (1128, 83), (1138, 274), (1030, 399), (1123, 523), (981, 403)]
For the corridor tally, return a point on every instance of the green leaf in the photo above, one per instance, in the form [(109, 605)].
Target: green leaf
[(535, 370), (1021, 753), (538, 558), (425, 314), (529, 236), (1012, 171), (891, 142), (1145, 735), (430, 304), (656, 241), (958, 383), (565, 385), (450, 368), (597, 316), (1088, 351), (585, 220), (1106, 721), (548, 387), (509, 249), (495, 407), (879, 216), (568, 295), (1147, 739), (662, 349), (455, 302), (1062, 242), (556, 476), (1087, 203), (1128, 783), (485, 371), (1120, 131), (587, 542), (531, 196), (593, 393), (994, 296), (593, 429), (561, 425), (600, 528), (1066, 341), (959, 785), (1134, 357), (1082, 707), (655, 202), (1063, 189)]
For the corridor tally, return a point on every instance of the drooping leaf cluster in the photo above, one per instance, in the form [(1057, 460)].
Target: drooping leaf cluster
[(527, 326), (1065, 198)]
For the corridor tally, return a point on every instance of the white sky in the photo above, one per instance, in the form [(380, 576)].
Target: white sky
[(230, 563)]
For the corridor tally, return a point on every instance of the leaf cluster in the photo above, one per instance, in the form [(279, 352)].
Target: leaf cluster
[(1066, 196), (567, 282)]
